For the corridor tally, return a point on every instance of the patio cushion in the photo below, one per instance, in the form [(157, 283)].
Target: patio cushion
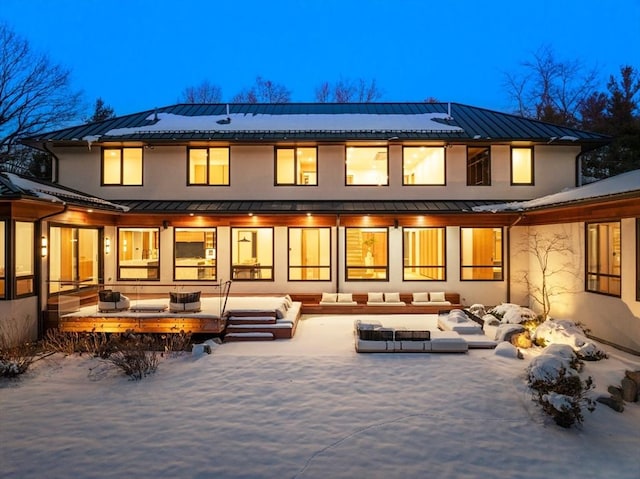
[(375, 297)]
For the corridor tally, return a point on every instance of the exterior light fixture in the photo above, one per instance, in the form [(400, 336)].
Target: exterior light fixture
[(107, 245), (44, 246)]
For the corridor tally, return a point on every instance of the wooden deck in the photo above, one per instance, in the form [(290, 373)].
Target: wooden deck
[(146, 323)]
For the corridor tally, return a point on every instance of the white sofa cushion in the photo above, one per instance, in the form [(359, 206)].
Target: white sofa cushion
[(345, 298), (437, 296), (375, 297), (421, 297), (329, 298), (392, 297)]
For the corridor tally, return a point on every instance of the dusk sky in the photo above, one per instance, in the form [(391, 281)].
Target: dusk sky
[(141, 54)]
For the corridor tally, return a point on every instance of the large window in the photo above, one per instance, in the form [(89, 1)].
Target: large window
[(138, 253), (481, 254), (74, 259), (424, 254), (24, 258), (603, 258), (296, 166), (367, 255), (252, 254), (367, 166), (209, 166), (522, 166), (423, 165), (309, 254), (122, 166), (478, 166), (195, 254)]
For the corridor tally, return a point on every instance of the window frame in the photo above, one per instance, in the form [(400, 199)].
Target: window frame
[(208, 165), (596, 274), (442, 268), (302, 267), (347, 266), (153, 268), (532, 166), (482, 167), (200, 268), (255, 269), (346, 166), (493, 266), (122, 170), (28, 279), (444, 165), (295, 149)]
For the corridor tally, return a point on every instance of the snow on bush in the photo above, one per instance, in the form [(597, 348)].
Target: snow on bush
[(513, 313), (507, 350), (478, 309), (567, 332)]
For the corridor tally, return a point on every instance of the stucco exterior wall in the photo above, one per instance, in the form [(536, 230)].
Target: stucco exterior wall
[(252, 176), (19, 320)]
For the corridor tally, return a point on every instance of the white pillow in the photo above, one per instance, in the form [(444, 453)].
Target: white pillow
[(329, 297), (392, 297), (344, 298), (421, 297), (437, 296), (375, 298)]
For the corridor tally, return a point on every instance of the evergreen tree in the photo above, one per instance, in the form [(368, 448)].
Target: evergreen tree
[(101, 112)]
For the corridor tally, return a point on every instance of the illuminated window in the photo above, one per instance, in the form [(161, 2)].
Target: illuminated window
[(195, 254), (422, 165), (521, 166), (478, 166), (424, 254), (367, 165), (603, 258), (309, 254), (3, 252), (296, 166), (73, 258), (24, 258), (367, 254), (122, 166), (209, 166), (481, 254), (252, 254), (138, 253)]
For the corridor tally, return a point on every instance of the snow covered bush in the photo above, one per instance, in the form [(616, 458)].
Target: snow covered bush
[(556, 385), (16, 355), (567, 332), (134, 354), (513, 313)]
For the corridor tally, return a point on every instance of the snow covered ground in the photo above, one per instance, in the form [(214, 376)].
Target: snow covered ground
[(310, 407)]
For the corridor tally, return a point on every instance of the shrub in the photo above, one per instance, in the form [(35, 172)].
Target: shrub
[(94, 343), (136, 355), (17, 352)]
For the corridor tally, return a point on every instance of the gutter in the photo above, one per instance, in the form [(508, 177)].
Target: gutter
[(55, 163)]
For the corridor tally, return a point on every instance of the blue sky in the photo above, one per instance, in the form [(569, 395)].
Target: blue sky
[(139, 54)]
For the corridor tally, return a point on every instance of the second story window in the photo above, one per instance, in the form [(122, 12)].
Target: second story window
[(296, 166), (478, 166), (522, 166), (422, 165), (209, 166), (122, 166), (367, 165)]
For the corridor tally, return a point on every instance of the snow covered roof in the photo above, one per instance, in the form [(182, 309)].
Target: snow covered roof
[(13, 186), (616, 185), (321, 122)]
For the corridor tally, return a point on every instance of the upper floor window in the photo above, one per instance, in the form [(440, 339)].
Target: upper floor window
[(481, 254), (138, 253), (478, 166), (522, 166), (367, 254), (297, 166), (309, 254), (209, 166), (424, 254), (194, 254), (603, 258), (122, 166), (73, 257), (24, 258), (423, 165), (367, 165), (252, 253)]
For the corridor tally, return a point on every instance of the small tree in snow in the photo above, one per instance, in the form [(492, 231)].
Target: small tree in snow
[(550, 254)]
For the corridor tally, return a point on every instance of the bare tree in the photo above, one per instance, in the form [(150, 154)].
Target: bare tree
[(553, 256), (551, 90), (349, 91), (35, 96), (205, 92), (264, 91)]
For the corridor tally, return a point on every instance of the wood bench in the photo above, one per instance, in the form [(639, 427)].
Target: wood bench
[(311, 305)]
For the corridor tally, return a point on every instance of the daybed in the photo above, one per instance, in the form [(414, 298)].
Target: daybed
[(371, 337)]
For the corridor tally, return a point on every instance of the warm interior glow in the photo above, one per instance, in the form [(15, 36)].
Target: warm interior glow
[(521, 166), (367, 166), (423, 165)]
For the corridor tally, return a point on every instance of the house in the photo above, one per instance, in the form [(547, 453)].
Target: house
[(308, 198)]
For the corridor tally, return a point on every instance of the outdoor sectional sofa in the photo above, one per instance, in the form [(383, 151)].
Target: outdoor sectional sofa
[(377, 303), (372, 337)]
